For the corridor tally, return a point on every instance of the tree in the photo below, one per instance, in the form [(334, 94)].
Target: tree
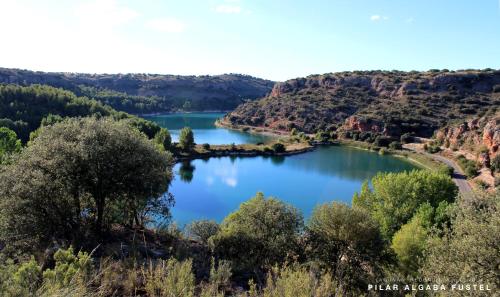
[(186, 138), (186, 106), (82, 173), (8, 143), (468, 250), (396, 196), (279, 147), (202, 230), (163, 138), (346, 241), (261, 233)]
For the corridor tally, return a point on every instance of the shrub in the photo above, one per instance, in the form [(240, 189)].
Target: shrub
[(445, 169), (396, 196), (279, 147), (69, 269), (297, 281), (469, 167), (163, 138), (169, 278), (202, 230), (495, 163), (346, 241), (395, 145), (206, 146), (261, 233), (186, 138)]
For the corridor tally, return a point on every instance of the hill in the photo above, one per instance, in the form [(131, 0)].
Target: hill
[(150, 93), (22, 109), (388, 103)]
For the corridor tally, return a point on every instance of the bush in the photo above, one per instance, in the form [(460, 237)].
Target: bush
[(298, 281), (495, 163), (205, 146), (186, 138), (202, 230), (279, 147), (163, 138), (446, 170), (169, 278), (396, 196), (395, 145), (261, 233), (469, 167), (346, 241)]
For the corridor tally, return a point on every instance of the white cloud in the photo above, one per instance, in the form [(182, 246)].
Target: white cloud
[(223, 8), (232, 182), (167, 25), (377, 18)]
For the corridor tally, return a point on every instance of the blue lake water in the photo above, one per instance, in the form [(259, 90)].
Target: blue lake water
[(204, 129), (213, 188)]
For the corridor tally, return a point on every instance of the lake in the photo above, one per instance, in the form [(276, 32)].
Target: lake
[(213, 188), (204, 129)]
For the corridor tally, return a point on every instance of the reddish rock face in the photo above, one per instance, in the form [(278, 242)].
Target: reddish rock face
[(358, 124), (491, 135), (474, 136)]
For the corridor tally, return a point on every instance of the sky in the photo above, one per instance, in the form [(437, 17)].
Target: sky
[(272, 39)]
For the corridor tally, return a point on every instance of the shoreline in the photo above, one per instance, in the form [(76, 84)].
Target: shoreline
[(402, 154), (179, 112)]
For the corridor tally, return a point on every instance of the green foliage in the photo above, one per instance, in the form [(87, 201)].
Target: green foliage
[(322, 136), (297, 281), (469, 167), (409, 243), (69, 269), (278, 147), (24, 109), (163, 138), (396, 196), (21, 279), (202, 230), (169, 278), (9, 143), (186, 138), (261, 233), (446, 170), (468, 250), (346, 241), (432, 148), (82, 175), (495, 163)]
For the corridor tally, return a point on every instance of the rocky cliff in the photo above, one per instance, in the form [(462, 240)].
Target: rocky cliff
[(380, 102)]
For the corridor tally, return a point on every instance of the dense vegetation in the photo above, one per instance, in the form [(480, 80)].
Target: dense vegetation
[(23, 109), (150, 93), (389, 103)]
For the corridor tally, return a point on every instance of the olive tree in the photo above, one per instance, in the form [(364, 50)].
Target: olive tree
[(79, 173)]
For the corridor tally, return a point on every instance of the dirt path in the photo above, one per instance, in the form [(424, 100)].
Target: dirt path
[(458, 176)]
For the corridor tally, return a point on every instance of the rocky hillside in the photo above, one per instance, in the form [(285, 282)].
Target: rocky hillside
[(479, 136), (379, 102), (146, 93)]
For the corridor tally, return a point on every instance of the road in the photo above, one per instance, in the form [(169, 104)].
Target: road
[(458, 176)]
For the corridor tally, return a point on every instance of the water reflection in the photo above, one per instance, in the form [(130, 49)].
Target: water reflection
[(186, 171), (326, 174)]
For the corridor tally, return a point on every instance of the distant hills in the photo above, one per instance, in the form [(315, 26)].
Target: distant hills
[(150, 93), (388, 103)]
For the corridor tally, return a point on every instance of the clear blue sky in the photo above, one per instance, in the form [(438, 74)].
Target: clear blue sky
[(274, 39)]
